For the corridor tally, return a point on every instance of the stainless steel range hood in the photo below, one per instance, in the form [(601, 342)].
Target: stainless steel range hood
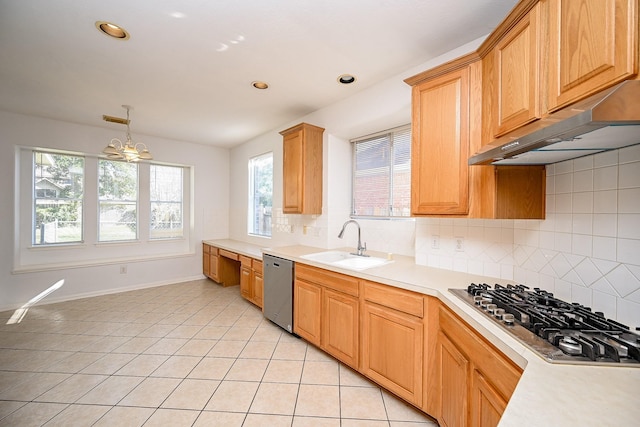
[(606, 121)]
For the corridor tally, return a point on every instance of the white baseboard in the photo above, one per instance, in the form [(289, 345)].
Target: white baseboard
[(108, 291)]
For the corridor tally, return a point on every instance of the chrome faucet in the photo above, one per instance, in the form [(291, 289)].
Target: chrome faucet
[(361, 248)]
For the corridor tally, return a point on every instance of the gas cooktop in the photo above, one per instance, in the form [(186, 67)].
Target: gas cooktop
[(560, 332)]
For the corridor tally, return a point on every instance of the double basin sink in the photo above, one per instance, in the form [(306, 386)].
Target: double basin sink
[(346, 260)]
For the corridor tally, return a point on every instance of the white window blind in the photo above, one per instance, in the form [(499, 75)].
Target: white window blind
[(382, 174)]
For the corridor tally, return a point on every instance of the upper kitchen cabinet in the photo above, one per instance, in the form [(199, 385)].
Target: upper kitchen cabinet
[(548, 54), (446, 127), (592, 45), (302, 169), (511, 74), (440, 142)]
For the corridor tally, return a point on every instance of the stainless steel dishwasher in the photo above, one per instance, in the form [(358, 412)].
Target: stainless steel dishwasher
[(278, 291)]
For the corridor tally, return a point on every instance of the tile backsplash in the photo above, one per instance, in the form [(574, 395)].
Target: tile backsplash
[(587, 250)]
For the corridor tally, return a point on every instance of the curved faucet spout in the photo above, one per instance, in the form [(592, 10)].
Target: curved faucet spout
[(361, 248)]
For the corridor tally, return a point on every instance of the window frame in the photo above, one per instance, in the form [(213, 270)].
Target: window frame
[(28, 257), (391, 169)]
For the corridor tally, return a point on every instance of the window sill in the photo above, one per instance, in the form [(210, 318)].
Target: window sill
[(35, 268), (259, 236)]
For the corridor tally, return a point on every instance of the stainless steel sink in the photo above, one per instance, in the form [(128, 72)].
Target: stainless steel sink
[(346, 260)]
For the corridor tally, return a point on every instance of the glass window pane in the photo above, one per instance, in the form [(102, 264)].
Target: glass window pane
[(58, 181), (166, 202), (118, 200), (260, 194)]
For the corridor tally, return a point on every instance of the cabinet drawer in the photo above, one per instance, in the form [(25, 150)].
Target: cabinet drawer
[(257, 266), (398, 299), (245, 261), (206, 248), (228, 254), (329, 279)]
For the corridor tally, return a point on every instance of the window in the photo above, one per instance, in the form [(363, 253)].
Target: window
[(166, 202), (58, 181), (382, 174), (260, 194), (117, 200), (71, 207)]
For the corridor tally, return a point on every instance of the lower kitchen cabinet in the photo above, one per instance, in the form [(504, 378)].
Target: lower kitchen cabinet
[(392, 340), (245, 277), (409, 343), (210, 262), (251, 287), (326, 312), (487, 405), (453, 381), (472, 380), (230, 268), (257, 285), (214, 265), (340, 326), (307, 310), (206, 252)]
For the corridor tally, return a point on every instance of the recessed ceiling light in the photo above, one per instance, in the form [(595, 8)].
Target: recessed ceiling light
[(112, 30), (260, 85), (346, 79)]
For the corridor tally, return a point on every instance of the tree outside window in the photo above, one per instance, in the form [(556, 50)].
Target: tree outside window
[(260, 194), (58, 181), (165, 190), (117, 200)]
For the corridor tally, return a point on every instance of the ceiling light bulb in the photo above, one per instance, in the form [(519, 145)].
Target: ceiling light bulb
[(112, 30), (346, 79), (260, 85)]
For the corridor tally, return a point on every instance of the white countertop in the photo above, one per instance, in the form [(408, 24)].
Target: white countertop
[(242, 248), (547, 394)]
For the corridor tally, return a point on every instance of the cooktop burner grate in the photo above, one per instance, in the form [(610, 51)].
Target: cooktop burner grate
[(559, 331)]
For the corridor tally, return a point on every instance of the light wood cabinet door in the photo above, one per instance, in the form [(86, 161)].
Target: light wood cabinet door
[(486, 404), (302, 169), (214, 270), (440, 145), (453, 381), (392, 351), (475, 380), (257, 284), (245, 282), (516, 100), (340, 322), (450, 119), (307, 311), (205, 259), (592, 45)]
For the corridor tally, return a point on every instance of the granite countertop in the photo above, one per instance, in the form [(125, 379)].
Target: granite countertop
[(547, 394)]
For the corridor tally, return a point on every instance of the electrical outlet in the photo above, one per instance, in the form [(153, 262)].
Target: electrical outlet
[(123, 269), (459, 244), (435, 242)]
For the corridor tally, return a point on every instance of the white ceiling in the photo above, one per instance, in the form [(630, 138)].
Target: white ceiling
[(188, 66)]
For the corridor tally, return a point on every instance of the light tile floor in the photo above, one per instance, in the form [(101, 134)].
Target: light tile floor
[(188, 354)]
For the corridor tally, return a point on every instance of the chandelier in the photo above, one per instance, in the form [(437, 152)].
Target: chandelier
[(128, 150)]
